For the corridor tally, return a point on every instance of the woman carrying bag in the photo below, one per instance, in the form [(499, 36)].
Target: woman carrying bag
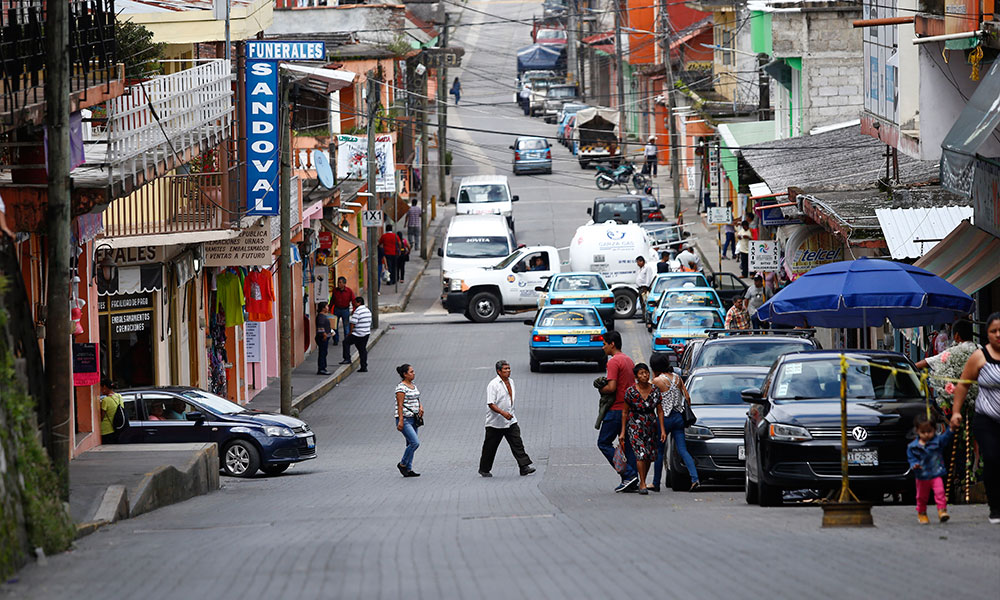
[(409, 417), (676, 403)]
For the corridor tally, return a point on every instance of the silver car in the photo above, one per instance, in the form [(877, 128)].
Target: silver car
[(532, 154)]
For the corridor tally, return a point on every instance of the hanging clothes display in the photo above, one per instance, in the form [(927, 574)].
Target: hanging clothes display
[(217, 355), (229, 296), (259, 295)]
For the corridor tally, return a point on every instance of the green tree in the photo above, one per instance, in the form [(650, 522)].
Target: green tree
[(135, 47)]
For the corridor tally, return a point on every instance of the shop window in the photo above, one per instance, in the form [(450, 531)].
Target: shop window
[(127, 339)]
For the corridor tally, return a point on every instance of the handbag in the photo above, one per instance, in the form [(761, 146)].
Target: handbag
[(620, 462), (689, 417), (418, 421)]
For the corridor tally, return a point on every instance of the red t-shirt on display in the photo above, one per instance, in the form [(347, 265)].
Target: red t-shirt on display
[(388, 242), (620, 369)]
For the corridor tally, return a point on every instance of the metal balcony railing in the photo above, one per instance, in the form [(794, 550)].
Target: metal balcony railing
[(22, 49), (163, 122)]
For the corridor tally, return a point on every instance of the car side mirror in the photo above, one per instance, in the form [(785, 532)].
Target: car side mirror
[(539, 288), (511, 147), (515, 198), (441, 252), (590, 211), (662, 206), (195, 416), (518, 268), (529, 322), (752, 396)]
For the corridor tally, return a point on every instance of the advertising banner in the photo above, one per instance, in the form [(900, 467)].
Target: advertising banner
[(763, 255), (352, 160), (251, 248)]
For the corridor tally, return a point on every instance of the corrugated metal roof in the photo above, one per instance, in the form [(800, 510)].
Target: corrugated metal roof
[(901, 226), (966, 258)]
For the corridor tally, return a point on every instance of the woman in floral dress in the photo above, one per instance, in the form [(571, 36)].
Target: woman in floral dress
[(642, 417)]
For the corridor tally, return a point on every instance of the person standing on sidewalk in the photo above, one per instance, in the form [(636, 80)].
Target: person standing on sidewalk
[(342, 297), (674, 397), (323, 333), (743, 237), (456, 90), (730, 242), (756, 295), (620, 378), (501, 423), (650, 152), (413, 225), (111, 403), (409, 417), (361, 329), (390, 248)]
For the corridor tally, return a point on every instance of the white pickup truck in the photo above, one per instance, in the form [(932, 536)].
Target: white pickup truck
[(483, 294)]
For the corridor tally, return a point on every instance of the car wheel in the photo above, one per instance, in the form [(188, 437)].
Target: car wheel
[(677, 477), (534, 365), (549, 171), (749, 489), (240, 459), (468, 315), (624, 304), (276, 469), (484, 307), (768, 495)]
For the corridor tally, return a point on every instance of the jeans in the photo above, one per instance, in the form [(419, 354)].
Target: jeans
[(610, 428), (412, 441), (413, 236), (987, 432), (492, 442), (359, 342), (924, 488), (729, 243), (322, 346), (344, 314), (674, 424)]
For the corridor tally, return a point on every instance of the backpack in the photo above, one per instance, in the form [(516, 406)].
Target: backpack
[(120, 421)]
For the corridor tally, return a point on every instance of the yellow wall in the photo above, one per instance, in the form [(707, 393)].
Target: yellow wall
[(197, 26)]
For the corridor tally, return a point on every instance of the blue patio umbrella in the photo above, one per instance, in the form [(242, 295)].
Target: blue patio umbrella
[(863, 293)]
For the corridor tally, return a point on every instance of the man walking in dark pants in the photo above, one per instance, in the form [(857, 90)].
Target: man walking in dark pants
[(390, 247), (361, 329), (323, 333), (620, 378), (501, 423)]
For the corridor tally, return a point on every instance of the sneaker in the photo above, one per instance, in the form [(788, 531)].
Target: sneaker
[(411, 473), (402, 469), (362, 370), (922, 518), (943, 516), (345, 362), (322, 372), (627, 483), (527, 470), (486, 474)]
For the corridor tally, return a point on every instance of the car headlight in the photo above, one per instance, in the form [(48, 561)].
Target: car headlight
[(789, 433), (697, 432), (277, 431), (455, 285)]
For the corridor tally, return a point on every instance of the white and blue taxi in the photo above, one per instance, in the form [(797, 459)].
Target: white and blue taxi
[(580, 288), (685, 297), (678, 326), (567, 334)]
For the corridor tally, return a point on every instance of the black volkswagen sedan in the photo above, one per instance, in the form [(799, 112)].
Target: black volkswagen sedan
[(248, 439), (715, 441), (792, 433)]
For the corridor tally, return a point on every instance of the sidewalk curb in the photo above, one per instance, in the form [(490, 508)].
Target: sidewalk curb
[(319, 390), (161, 487)]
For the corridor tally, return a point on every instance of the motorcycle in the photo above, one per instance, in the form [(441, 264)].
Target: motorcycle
[(623, 174)]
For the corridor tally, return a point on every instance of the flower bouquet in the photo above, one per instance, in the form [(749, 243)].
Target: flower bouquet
[(952, 363)]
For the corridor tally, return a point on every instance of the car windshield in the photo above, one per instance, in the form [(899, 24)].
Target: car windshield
[(881, 378), (667, 283), (480, 194), (680, 298), (748, 352), (722, 388), (690, 319), (212, 402), (562, 92), (617, 211), (477, 247), (577, 283), (532, 144), (568, 317), (551, 34)]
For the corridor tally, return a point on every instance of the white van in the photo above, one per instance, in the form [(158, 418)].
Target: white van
[(475, 241), (484, 195)]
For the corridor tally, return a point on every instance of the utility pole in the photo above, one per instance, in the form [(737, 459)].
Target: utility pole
[(58, 335), (623, 144), (285, 259), (373, 282), (424, 170), (442, 102), (572, 74)]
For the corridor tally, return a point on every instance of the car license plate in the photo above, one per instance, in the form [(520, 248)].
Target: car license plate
[(569, 339), (310, 442), (863, 457), (741, 453), (578, 301)]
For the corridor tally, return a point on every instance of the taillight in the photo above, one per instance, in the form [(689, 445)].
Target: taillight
[(556, 301), (597, 338), (517, 155), (608, 300), (540, 338), (548, 154), (661, 341)]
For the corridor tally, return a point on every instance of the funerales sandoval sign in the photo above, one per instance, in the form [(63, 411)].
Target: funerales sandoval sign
[(261, 106)]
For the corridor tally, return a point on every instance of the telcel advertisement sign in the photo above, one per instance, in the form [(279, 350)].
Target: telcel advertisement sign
[(262, 117)]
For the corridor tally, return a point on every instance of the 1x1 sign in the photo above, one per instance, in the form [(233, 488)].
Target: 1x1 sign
[(763, 256), (719, 215), (371, 218)]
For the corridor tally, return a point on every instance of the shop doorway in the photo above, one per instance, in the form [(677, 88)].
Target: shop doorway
[(128, 351)]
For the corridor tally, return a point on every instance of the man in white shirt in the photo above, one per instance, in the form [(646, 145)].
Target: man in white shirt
[(643, 279), (501, 423), (686, 256), (361, 329), (525, 97), (650, 153)]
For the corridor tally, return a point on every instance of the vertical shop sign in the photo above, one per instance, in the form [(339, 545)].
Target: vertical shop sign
[(251, 341), (261, 116), (85, 365)]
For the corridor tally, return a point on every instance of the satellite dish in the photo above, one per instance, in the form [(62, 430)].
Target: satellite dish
[(323, 169)]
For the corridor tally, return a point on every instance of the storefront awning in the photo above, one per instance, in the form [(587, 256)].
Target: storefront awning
[(973, 128), (735, 136), (133, 280), (966, 258), (913, 232)]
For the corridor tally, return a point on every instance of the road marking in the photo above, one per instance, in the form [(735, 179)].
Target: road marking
[(488, 518)]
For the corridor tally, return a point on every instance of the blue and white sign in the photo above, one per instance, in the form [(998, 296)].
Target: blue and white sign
[(262, 117)]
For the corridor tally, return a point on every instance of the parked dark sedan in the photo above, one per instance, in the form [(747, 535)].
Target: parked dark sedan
[(756, 347), (248, 439), (715, 441), (792, 431)]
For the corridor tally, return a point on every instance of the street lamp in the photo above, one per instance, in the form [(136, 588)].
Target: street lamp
[(105, 269)]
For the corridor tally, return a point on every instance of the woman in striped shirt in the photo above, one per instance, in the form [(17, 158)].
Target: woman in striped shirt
[(408, 408)]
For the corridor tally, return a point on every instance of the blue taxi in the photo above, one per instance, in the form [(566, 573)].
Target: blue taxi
[(566, 334), (580, 288), (668, 281), (694, 297), (678, 326)]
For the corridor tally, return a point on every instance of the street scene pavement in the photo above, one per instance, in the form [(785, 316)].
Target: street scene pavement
[(346, 525)]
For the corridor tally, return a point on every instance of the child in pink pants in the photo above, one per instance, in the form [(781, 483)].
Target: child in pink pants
[(926, 458)]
